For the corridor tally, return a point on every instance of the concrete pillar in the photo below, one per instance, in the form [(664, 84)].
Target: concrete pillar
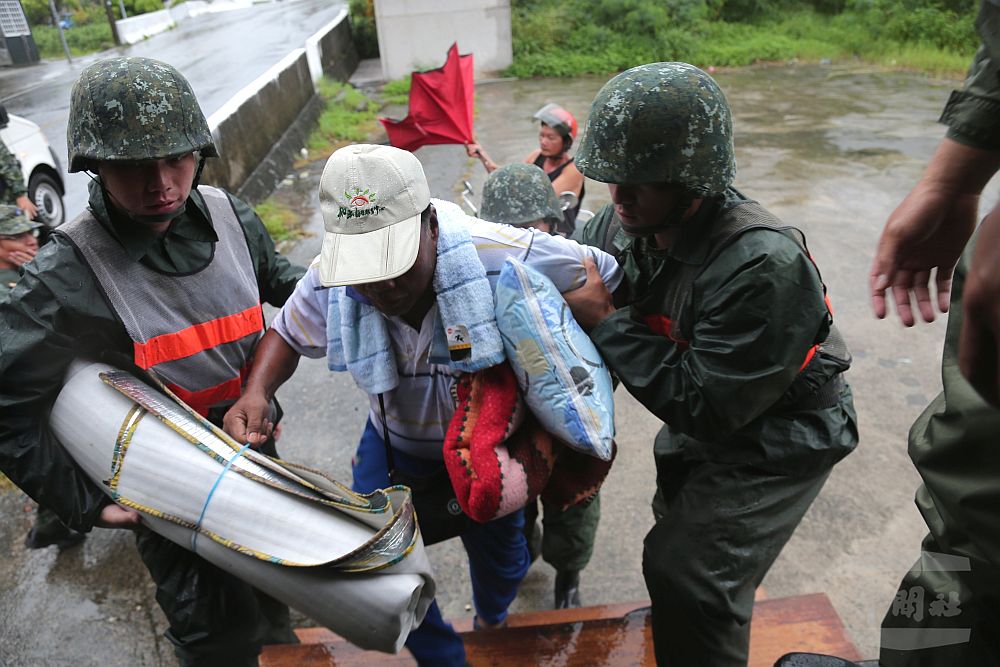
[(416, 34)]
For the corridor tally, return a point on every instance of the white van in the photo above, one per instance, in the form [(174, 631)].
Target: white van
[(41, 168)]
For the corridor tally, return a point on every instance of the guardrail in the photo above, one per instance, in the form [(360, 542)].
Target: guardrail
[(260, 129)]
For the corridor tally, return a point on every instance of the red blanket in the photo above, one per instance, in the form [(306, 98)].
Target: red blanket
[(499, 458)]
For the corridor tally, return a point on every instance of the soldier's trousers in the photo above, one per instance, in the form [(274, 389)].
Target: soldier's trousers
[(719, 528), (216, 620), (947, 609), (567, 536)]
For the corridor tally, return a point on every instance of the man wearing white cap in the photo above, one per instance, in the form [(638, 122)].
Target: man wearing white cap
[(396, 272)]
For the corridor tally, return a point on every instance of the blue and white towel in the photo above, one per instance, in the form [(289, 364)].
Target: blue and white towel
[(465, 315)]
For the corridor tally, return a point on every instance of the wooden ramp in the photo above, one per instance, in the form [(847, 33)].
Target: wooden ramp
[(605, 636)]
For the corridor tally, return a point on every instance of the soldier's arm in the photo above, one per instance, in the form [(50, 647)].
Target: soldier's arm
[(745, 352), (46, 324)]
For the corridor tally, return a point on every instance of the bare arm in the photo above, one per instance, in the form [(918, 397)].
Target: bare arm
[(476, 151), (274, 362), (927, 231)]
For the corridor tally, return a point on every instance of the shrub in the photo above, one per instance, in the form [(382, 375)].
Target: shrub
[(363, 27)]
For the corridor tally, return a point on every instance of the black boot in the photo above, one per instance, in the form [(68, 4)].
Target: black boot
[(817, 660), (49, 530), (567, 589)]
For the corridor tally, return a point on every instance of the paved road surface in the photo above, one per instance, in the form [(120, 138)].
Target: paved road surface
[(218, 53)]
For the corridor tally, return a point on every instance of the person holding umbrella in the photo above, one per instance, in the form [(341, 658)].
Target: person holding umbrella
[(556, 132)]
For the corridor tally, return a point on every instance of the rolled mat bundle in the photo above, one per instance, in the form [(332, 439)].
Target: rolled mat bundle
[(353, 563)]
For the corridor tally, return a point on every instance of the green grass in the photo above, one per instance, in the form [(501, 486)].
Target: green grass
[(281, 221), (543, 49), (396, 91), (348, 116), (82, 39), (5, 484)]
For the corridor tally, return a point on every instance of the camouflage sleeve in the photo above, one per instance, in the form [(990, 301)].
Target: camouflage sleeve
[(276, 276), (973, 113), (10, 173)]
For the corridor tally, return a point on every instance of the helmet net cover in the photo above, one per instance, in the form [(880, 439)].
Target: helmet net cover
[(660, 123), (131, 108), (519, 194), (558, 119)]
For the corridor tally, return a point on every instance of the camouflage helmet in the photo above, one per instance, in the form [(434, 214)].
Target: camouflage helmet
[(518, 194), (131, 108), (13, 221), (660, 123)]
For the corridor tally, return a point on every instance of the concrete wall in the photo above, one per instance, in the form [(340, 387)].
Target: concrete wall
[(260, 129), (416, 34), (139, 27)]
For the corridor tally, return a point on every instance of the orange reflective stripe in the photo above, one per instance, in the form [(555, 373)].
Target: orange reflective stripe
[(202, 400), (197, 338), (809, 356), (660, 324), (663, 325)]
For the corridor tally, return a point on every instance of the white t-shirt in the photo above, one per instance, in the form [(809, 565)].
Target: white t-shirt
[(419, 409)]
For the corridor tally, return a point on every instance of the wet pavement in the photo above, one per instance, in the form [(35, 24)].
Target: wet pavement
[(830, 150), (218, 53)]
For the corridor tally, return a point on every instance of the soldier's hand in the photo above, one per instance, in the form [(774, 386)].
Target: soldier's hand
[(116, 516), (591, 302), (19, 257), (921, 242), (979, 342), (28, 206), (925, 235), (247, 420)]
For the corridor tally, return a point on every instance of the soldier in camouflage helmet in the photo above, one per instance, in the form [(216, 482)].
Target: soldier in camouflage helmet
[(18, 244), (726, 336), (132, 268), (520, 195)]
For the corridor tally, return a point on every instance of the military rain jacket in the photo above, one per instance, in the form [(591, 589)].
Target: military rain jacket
[(734, 386), (57, 312)]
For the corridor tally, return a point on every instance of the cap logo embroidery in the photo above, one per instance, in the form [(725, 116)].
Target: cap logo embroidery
[(360, 204)]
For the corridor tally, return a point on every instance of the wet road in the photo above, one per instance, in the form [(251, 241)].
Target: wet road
[(829, 150), (218, 53)]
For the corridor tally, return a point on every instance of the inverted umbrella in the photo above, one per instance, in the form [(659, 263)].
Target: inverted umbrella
[(440, 106)]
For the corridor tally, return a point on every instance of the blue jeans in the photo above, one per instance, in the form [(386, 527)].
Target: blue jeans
[(498, 556)]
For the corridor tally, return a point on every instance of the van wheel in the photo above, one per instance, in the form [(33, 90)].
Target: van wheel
[(45, 193)]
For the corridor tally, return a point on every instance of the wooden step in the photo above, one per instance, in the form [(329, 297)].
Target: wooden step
[(602, 636)]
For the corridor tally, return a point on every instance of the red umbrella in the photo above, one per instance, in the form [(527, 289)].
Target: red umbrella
[(440, 106)]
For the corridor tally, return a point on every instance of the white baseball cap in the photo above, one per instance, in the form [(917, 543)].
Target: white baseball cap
[(371, 198)]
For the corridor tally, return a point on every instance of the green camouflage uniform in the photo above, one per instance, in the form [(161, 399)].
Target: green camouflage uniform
[(518, 194), (12, 222), (58, 312), (947, 608), (750, 431), (11, 177)]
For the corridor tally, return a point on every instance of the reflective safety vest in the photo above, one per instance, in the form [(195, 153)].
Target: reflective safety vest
[(196, 331)]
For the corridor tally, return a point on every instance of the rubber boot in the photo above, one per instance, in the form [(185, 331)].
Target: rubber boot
[(50, 531), (567, 589)]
